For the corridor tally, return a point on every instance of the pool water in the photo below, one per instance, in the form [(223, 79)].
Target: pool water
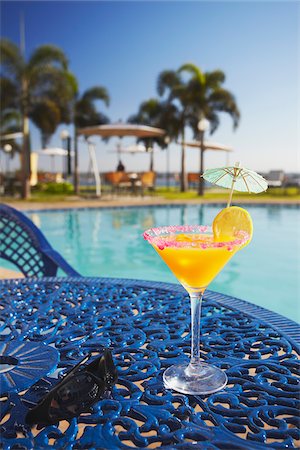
[(108, 242)]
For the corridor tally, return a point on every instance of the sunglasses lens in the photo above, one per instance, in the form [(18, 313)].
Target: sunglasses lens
[(76, 395), (80, 389)]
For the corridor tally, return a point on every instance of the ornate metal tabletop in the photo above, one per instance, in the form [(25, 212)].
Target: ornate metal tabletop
[(147, 326)]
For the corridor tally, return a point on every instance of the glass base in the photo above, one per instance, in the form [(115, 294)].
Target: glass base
[(197, 380)]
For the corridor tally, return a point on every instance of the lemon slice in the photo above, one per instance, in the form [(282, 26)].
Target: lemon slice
[(229, 222)]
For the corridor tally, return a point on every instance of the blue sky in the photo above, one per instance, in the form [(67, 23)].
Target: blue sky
[(125, 45)]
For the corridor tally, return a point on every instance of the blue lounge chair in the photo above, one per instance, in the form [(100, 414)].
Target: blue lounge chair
[(23, 244)]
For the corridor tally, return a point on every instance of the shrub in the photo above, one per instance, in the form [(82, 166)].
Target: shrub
[(56, 188)]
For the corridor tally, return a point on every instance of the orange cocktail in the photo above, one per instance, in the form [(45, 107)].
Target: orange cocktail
[(196, 255), (195, 259)]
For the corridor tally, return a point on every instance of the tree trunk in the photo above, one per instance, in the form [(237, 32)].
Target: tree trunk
[(201, 169), (183, 180), (151, 161), (25, 165), (69, 159), (149, 145)]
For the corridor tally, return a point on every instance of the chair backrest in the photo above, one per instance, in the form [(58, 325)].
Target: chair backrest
[(113, 178), (23, 244), (46, 177), (193, 177), (148, 179)]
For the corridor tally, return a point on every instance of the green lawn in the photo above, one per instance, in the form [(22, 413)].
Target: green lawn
[(212, 194), (171, 193)]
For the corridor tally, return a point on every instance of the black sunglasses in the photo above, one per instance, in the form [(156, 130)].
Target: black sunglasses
[(79, 389)]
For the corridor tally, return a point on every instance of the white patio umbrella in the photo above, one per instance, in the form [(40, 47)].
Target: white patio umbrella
[(135, 149), (207, 145), (203, 146), (121, 130), (16, 135), (52, 152), (55, 151)]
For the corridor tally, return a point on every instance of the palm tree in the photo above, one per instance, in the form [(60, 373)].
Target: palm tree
[(10, 123), (40, 88), (86, 114), (171, 85), (208, 100), (201, 96), (10, 126), (158, 114)]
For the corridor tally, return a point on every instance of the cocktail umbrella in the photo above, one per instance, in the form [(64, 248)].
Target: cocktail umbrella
[(236, 178)]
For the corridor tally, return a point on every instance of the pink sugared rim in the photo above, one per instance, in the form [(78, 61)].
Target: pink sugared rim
[(155, 236)]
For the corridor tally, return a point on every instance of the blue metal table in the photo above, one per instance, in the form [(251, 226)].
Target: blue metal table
[(53, 323)]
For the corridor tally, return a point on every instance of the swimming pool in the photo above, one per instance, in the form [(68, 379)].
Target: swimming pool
[(108, 242)]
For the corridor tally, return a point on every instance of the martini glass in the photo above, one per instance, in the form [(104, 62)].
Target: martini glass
[(195, 258)]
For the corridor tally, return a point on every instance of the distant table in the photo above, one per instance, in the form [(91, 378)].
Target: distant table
[(147, 326), (135, 181)]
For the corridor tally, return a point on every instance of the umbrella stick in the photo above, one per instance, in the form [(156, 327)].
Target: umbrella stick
[(231, 192)]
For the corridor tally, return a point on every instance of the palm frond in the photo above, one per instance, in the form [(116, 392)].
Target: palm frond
[(8, 93), (96, 93), (214, 79), (86, 113), (166, 81), (10, 118), (60, 83), (90, 118), (194, 71), (214, 120), (10, 122), (46, 116), (48, 55), (224, 101), (12, 62), (160, 114)]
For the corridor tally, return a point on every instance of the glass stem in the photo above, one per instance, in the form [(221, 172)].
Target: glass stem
[(196, 300)]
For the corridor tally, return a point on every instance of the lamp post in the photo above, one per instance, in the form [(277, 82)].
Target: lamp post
[(167, 142), (65, 137), (203, 125)]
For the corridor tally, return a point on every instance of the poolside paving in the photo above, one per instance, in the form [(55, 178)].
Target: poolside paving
[(106, 202), (5, 274)]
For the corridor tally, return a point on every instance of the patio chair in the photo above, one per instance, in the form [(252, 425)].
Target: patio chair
[(23, 244), (148, 181), (117, 180), (193, 179)]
